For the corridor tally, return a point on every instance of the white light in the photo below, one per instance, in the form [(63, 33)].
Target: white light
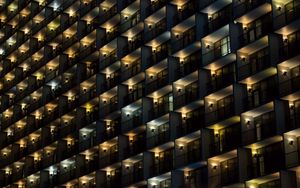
[(1, 51)]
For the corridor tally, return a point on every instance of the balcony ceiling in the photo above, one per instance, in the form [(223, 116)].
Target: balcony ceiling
[(216, 6), (157, 41), (187, 80), (221, 93), (255, 46), (292, 97), (188, 138), (290, 63), (185, 25), (254, 14), (259, 76), (289, 29), (259, 110), (264, 143), (217, 35), (264, 179), (224, 157), (221, 62), (225, 123), (157, 16), (188, 50), (133, 31)]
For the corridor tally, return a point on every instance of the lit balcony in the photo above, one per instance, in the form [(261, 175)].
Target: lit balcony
[(222, 73), (288, 46), (254, 58), (261, 90), (108, 54), (250, 8), (264, 157), (132, 170), (154, 5), (158, 131), (134, 36), (219, 105), (162, 159), (219, 13), (255, 25), (258, 124), (163, 180), (285, 12), (155, 24), (289, 76), (87, 137), (185, 9), (291, 148), (183, 34), (189, 60), (227, 135), (132, 116), (223, 169), (157, 76), (188, 149), (162, 102), (186, 90), (136, 89), (293, 111), (109, 102), (216, 45), (131, 65), (271, 180), (159, 47), (111, 176), (111, 76), (108, 152), (194, 175), (67, 124), (111, 129), (108, 9), (134, 142), (192, 118)]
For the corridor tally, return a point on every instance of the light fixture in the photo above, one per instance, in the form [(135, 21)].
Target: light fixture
[(279, 8), (284, 72), (291, 142)]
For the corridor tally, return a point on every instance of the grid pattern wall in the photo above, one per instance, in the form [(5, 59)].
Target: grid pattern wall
[(150, 93)]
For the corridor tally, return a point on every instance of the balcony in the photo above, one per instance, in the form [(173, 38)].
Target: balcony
[(223, 169), (112, 128), (267, 159), (223, 110), (108, 59), (185, 10), (261, 92), (226, 139), (160, 109), (188, 151), (264, 127), (155, 30), (154, 6), (216, 49), (162, 79), (188, 65), (163, 163), (190, 121), (218, 19), (183, 39), (290, 80), (288, 48), (284, 15), (256, 29), (131, 69), (186, 95), (111, 81), (254, 64), (135, 145), (133, 173), (221, 78), (294, 114), (158, 136), (242, 7), (132, 122), (137, 92), (159, 53), (108, 158), (112, 106)]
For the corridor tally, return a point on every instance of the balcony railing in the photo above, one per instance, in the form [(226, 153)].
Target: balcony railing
[(133, 69), (111, 58), (222, 17), (109, 108), (220, 81)]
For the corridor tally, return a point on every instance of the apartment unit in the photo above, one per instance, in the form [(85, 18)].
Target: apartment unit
[(150, 93)]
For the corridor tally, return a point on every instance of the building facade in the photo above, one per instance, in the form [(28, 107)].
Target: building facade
[(150, 93)]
